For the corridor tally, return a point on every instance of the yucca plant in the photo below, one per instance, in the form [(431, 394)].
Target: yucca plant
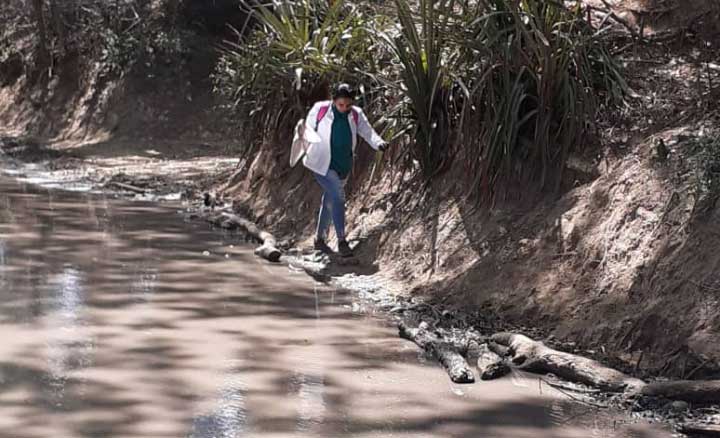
[(275, 70), (534, 79), (420, 46)]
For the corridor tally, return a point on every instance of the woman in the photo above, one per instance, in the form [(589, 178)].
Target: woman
[(332, 128)]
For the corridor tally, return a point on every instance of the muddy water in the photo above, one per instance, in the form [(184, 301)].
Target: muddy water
[(116, 322)]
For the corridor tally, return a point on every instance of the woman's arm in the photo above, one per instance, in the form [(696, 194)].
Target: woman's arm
[(366, 131)]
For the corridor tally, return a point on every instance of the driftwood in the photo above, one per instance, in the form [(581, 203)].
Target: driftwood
[(268, 248), (693, 391), (711, 430), (534, 356), (490, 364), (129, 187), (455, 364), (500, 350)]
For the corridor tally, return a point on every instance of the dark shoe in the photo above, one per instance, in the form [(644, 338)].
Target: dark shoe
[(344, 249), (321, 246)]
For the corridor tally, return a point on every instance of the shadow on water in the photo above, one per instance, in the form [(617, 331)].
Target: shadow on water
[(121, 320)]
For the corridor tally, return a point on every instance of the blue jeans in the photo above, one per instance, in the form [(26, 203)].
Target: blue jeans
[(333, 205)]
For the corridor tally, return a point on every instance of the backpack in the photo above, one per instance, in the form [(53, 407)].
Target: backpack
[(300, 144)]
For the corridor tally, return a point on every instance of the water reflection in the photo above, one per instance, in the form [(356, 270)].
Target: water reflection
[(3, 264), (68, 347), (308, 383), (144, 282), (229, 418)]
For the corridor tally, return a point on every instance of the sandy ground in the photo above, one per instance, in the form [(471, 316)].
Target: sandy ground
[(171, 170)]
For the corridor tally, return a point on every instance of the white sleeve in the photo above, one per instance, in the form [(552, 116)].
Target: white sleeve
[(366, 131)]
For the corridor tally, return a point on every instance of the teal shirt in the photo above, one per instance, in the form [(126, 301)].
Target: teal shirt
[(341, 155)]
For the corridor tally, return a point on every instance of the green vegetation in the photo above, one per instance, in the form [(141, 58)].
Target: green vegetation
[(505, 89), (511, 86), (536, 76), (294, 51)]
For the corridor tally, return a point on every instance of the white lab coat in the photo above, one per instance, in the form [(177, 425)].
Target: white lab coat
[(317, 157)]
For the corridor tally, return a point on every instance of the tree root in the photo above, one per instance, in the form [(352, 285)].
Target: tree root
[(455, 364)]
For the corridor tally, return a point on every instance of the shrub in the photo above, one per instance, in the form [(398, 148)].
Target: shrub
[(515, 84), (534, 77), (274, 71)]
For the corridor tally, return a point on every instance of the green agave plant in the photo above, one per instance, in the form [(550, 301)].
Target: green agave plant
[(420, 44), (537, 75), (512, 87), (287, 58)]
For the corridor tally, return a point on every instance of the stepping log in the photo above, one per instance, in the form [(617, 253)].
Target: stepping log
[(490, 364), (534, 356), (455, 364), (711, 430), (268, 249), (692, 391)]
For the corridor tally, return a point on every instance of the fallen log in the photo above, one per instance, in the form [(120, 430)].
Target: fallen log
[(129, 187), (692, 391), (498, 349), (268, 248), (455, 364), (711, 430), (534, 356), (490, 364)]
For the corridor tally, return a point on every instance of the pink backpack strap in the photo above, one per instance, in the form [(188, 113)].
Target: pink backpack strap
[(321, 114), (323, 111)]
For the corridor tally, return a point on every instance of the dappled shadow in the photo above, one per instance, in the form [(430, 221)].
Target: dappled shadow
[(611, 263), (120, 319)]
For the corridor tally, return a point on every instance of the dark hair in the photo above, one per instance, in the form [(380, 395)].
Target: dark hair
[(343, 90)]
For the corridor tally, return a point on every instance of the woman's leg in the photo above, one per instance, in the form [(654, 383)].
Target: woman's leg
[(334, 197), (324, 218)]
